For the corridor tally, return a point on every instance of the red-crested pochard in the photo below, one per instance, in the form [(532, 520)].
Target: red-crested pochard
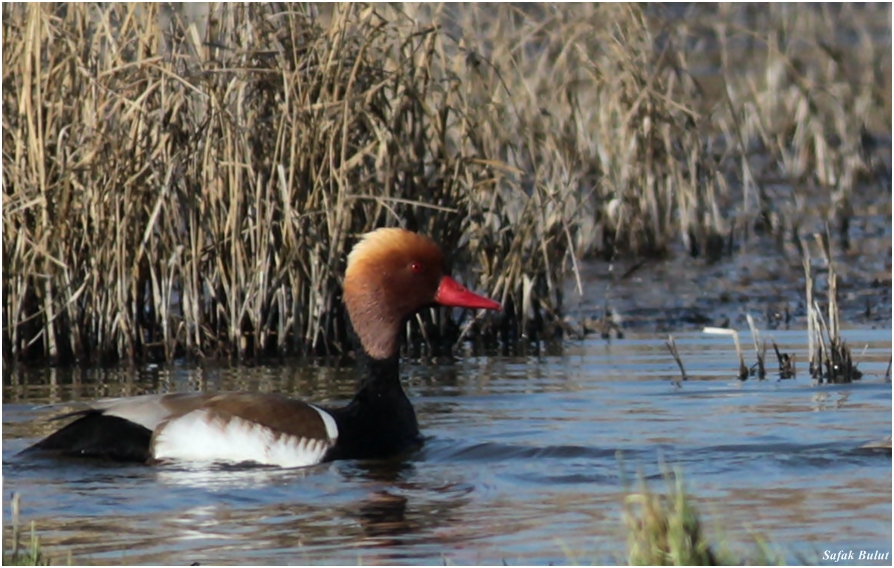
[(391, 274)]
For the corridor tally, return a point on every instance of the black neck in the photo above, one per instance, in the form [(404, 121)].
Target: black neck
[(380, 420), (378, 376)]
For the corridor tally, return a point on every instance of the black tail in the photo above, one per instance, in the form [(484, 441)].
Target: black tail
[(96, 435)]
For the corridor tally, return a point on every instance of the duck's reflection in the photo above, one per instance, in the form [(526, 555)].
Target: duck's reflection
[(380, 505), (226, 476), (384, 515)]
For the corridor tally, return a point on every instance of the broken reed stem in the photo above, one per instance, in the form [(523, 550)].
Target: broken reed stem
[(786, 363), (743, 369), (672, 347), (760, 349)]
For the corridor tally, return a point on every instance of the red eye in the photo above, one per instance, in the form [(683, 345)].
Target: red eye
[(416, 267)]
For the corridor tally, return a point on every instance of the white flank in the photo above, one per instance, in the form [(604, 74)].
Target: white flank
[(199, 436), (329, 421)]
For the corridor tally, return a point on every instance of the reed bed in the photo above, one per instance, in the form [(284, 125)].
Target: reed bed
[(805, 112), (188, 183)]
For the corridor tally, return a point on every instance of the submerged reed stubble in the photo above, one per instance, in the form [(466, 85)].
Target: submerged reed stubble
[(188, 183)]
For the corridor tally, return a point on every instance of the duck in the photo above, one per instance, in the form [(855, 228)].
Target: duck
[(391, 274)]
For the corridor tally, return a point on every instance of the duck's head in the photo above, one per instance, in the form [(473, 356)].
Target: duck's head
[(392, 274)]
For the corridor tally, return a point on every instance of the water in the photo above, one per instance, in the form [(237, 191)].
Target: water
[(525, 463)]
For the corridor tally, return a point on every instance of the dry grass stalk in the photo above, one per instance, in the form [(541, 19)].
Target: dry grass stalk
[(812, 333)]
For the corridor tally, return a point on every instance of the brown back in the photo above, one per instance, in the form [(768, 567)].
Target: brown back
[(281, 414)]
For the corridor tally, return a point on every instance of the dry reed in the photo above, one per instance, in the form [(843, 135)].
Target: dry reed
[(830, 358)]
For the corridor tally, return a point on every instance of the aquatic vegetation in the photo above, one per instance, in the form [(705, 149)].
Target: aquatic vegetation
[(667, 530), (187, 183), (16, 555), (31, 555)]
